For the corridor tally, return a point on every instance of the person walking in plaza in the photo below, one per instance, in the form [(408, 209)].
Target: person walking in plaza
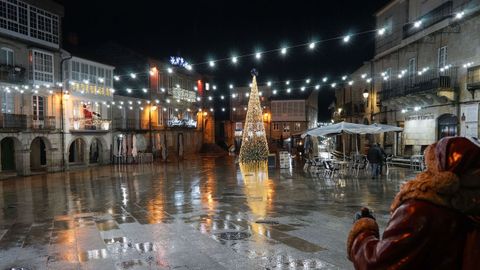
[(382, 160), (374, 157), (435, 218)]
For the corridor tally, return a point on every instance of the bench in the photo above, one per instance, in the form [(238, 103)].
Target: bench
[(415, 162)]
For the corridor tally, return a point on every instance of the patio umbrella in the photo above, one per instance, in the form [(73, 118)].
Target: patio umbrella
[(385, 128), (341, 128), (115, 146), (124, 146), (134, 146)]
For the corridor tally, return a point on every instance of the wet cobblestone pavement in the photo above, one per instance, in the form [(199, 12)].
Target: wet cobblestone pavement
[(196, 214)]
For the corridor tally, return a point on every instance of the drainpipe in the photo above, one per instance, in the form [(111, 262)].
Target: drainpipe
[(62, 120)]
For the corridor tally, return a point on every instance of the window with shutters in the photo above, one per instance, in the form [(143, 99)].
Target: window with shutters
[(442, 57), (38, 106)]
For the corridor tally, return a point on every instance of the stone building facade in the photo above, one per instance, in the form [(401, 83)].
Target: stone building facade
[(30, 96), (61, 111), (425, 73)]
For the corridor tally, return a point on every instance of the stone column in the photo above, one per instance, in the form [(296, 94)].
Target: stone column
[(22, 161)]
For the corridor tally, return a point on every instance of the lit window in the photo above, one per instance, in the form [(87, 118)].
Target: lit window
[(298, 126)]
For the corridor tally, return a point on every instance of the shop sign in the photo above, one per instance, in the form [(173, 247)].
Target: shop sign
[(420, 117)]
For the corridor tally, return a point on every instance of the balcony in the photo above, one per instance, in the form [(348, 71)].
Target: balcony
[(83, 125), (438, 14), (130, 124), (14, 122), (183, 123), (12, 74), (47, 123), (432, 81), (22, 122)]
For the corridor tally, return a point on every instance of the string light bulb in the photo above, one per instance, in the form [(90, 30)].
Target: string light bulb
[(283, 51), (381, 31), (211, 63), (258, 55), (459, 15), (234, 60), (312, 46), (346, 38), (133, 75)]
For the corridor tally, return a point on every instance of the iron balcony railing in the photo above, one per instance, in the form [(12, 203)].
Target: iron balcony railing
[(130, 124), (430, 80), (42, 123), (13, 121), (27, 122), (12, 74), (438, 14)]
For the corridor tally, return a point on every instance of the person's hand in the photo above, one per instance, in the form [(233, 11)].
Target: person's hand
[(363, 213)]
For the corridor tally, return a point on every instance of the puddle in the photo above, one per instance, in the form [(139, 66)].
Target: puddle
[(63, 225), (130, 264), (106, 225), (124, 219), (234, 235), (295, 242), (92, 255), (267, 222)]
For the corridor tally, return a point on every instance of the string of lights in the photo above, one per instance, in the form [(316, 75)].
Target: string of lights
[(323, 82), (258, 55)]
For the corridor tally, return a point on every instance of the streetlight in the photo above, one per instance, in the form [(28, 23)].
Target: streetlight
[(365, 94)]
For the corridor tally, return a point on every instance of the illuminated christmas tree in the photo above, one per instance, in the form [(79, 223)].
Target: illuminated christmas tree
[(254, 147)]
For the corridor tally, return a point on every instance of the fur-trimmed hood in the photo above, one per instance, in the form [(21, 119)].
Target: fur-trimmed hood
[(442, 187)]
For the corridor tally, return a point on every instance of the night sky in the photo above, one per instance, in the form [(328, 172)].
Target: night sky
[(203, 30)]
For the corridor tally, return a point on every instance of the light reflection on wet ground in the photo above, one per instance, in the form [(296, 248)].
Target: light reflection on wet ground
[(197, 214)]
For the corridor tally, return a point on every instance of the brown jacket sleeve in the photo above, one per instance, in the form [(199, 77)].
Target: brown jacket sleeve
[(405, 243)]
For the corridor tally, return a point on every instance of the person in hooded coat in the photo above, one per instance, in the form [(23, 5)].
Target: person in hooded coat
[(435, 218)]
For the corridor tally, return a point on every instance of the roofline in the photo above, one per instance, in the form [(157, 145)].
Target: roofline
[(386, 7)]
